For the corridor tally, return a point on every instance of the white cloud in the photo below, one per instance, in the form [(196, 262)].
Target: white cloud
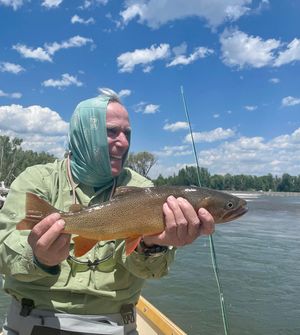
[(28, 52), (89, 3), (128, 60), (151, 109), (51, 3), (290, 55), (145, 57), (263, 5), (147, 68), (40, 128), (176, 151), (65, 81), (200, 52), (156, 13), (124, 93), (54, 145), (274, 80), (15, 95), (11, 67), (245, 155), (132, 11), (15, 4), (176, 126), (180, 49), (45, 53), (160, 168), (145, 108), (32, 119), (241, 50), (255, 156), (290, 101), (73, 42), (250, 108), (78, 19), (217, 134)]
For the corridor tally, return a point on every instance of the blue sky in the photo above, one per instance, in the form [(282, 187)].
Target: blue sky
[(237, 60)]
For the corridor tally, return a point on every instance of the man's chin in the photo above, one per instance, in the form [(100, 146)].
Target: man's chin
[(116, 168), (115, 173)]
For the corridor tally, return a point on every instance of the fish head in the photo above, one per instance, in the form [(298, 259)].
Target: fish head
[(224, 207)]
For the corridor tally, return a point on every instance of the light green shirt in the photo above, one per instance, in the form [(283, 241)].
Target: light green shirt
[(90, 292)]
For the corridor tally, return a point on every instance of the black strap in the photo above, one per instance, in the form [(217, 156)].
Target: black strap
[(40, 330), (127, 312), (27, 307)]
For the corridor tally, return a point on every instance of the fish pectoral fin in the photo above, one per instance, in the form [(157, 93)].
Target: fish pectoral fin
[(75, 208), (82, 245), (131, 243)]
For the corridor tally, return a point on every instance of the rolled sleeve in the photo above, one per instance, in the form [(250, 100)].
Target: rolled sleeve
[(16, 256)]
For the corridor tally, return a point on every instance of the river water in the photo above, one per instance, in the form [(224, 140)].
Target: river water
[(259, 265)]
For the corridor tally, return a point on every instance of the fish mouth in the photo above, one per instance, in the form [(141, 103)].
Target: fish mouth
[(232, 215)]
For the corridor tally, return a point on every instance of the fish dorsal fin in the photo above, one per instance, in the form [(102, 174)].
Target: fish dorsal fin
[(75, 208), (125, 190)]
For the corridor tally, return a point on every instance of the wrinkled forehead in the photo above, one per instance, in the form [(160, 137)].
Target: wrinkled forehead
[(117, 115)]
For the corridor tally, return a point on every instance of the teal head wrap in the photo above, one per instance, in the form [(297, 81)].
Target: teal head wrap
[(90, 162)]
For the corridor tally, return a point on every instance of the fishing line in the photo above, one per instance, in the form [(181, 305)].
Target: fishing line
[(211, 241)]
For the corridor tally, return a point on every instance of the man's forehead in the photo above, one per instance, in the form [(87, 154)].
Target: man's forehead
[(117, 124)]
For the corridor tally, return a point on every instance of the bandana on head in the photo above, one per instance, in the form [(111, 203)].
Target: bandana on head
[(90, 162)]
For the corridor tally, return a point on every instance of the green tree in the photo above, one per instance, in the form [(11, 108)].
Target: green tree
[(160, 181), (228, 182), (286, 184), (13, 159), (141, 162), (217, 182), (9, 157)]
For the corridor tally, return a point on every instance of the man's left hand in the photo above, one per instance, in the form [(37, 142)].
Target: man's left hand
[(182, 224)]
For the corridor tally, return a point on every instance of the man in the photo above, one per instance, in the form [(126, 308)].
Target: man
[(52, 291)]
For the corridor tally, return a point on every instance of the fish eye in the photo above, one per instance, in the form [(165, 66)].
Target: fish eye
[(229, 204)]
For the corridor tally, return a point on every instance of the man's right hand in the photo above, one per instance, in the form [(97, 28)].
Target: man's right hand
[(49, 245)]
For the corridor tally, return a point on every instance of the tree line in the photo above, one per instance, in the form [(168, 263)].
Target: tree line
[(189, 176), (13, 160)]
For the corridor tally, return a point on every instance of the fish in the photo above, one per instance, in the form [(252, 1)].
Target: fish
[(132, 213)]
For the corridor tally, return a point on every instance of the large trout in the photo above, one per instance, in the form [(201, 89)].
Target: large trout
[(131, 214)]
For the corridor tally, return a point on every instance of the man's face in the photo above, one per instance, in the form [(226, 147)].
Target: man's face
[(118, 131)]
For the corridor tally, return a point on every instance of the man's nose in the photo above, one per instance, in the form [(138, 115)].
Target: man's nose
[(122, 140)]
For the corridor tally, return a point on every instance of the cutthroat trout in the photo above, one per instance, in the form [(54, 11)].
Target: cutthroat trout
[(131, 214)]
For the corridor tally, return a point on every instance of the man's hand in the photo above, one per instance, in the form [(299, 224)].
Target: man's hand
[(49, 245), (182, 224)]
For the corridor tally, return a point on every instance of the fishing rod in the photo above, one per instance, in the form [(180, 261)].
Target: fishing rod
[(211, 241)]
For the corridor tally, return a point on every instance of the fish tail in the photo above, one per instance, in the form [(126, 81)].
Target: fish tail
[(36, 209)]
